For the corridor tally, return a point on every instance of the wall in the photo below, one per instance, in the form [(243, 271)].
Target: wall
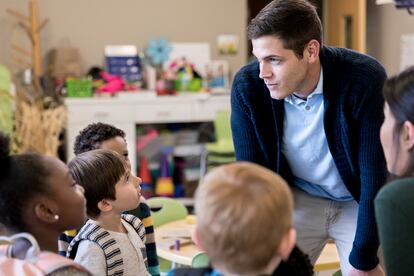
[(89, 25), (100, 22), (385, 25)]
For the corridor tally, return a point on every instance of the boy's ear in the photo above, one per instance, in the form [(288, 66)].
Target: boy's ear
[(287, 243), (408, 135), (195, 236), (104, 206), (43, 211)]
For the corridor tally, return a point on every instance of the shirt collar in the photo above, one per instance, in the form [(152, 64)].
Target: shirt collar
[(317, 91)]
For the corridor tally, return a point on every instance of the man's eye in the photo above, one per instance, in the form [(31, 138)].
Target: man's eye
[(274, 60)]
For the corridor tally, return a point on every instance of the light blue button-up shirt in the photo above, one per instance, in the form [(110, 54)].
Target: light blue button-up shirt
[(306, 148)]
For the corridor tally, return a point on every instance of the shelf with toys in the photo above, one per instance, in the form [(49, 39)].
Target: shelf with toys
[(133, 111), (161, 100)]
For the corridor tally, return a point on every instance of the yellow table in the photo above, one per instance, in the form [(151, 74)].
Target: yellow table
[(165, 237), (166, 234)]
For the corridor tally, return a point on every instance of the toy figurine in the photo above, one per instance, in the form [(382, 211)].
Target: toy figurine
[(164, 185)]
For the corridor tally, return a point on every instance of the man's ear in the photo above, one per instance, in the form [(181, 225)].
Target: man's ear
[(287, 243), (408, 136), (311, 51), (104, 206), (195, 236), (44, 212)]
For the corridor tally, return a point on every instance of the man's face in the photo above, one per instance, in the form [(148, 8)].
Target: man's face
[(282, 71)]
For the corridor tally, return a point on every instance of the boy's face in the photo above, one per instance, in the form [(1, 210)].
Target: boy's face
[(127, 193), (119, 145)]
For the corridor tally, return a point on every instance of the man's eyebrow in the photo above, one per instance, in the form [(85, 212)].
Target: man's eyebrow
[(272, 56), (269, 56)]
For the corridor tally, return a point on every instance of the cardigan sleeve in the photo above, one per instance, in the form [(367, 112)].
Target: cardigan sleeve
[(372, 173), (245, 140)]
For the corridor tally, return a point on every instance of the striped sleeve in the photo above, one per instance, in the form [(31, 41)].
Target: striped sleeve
[(143, 212), (64, 240)]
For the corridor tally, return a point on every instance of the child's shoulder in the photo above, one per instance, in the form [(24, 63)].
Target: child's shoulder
[(132, 219), (135, 223), (36, 261), (89, 249)]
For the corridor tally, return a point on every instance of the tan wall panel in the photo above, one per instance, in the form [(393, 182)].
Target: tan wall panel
[(91, 24)]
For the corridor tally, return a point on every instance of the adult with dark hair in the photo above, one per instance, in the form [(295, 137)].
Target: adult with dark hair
[(38, 196), (312, 113), (106, 136), (394, 203)]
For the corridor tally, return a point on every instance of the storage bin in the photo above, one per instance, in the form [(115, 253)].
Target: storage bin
[(79, 88)]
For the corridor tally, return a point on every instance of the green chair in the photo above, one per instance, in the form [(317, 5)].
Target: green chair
[(164, 210), (6, 113), (222, 151), (200, 260), (224, 140)]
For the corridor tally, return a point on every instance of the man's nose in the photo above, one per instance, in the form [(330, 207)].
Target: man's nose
[(265, 71)]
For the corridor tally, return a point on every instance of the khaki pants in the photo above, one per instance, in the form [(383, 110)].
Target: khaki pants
[(318, 220)]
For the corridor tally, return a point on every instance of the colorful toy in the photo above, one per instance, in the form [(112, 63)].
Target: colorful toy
[(147, 190), (166, 85), (187, 79), (178, 177), (164, 185), (113, 83)]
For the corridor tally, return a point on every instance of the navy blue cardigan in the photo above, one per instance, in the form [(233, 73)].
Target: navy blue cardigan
[(353, 101)]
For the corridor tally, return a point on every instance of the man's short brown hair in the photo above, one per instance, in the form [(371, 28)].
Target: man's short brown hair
[(97, 171), (243, 211), (295, 22)]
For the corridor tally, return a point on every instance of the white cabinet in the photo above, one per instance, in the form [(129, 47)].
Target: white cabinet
[(128, 110), (99, 111), (163, 111), (203, 108)]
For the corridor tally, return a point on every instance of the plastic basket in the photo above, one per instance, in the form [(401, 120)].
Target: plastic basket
[(79, 88)]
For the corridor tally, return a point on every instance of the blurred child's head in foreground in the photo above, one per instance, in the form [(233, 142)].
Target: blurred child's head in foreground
[(244, 218)]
